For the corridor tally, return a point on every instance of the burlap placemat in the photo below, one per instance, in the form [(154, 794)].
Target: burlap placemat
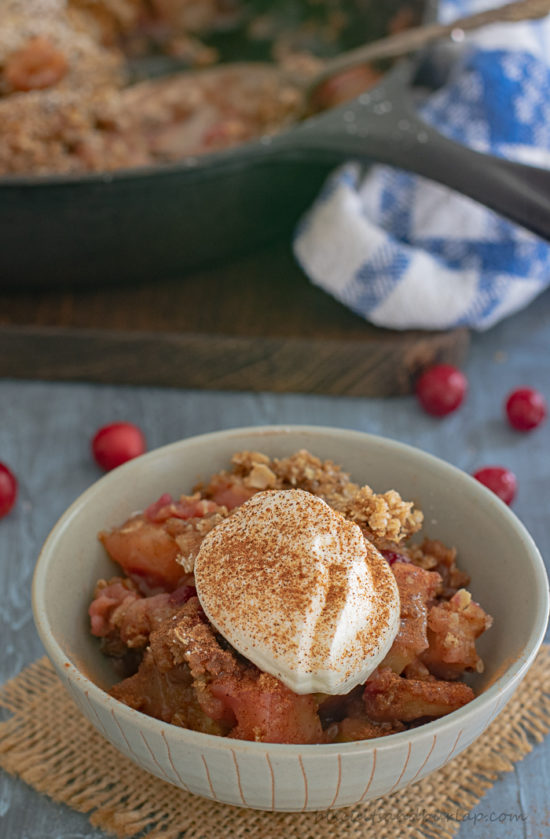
[(53, 748)]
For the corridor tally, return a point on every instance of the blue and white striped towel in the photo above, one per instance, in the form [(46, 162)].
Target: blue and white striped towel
[(404, 252)]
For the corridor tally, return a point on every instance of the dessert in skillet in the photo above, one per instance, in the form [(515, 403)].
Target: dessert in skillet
[(281, 602), (65, 101), (69, 101)]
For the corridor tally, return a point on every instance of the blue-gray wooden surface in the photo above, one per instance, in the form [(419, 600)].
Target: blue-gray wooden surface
[(44, 435)]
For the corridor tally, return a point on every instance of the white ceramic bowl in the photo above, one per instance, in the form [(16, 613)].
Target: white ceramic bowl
[(508, 578)]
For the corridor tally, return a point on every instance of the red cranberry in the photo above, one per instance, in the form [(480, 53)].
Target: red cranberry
[(441, 389), (394, 556), (525, 408), (8, 490), (501, 481), (116, 443), (182, 594)]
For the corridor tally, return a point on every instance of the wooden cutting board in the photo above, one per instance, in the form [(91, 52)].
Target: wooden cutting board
[(255, 324)]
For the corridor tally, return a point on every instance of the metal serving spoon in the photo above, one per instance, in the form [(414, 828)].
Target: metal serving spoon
[(392, 46), (411, 40)]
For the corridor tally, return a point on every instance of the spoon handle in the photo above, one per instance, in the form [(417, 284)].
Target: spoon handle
[(414, 39), (385, 127)]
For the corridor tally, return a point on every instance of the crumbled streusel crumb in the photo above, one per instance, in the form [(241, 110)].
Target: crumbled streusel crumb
[(244, 461), (323, 478), (432, 552), (463, 598), (433, 555), (385, 518), (261, 477)]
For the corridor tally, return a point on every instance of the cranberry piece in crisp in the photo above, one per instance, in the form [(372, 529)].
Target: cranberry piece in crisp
[(182, 594), (525, 408), (116, 443), (501, 481), (394, 556), (441, 389), (8, 490)]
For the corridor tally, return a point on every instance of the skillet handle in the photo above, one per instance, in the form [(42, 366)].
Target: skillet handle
[(384, 126)]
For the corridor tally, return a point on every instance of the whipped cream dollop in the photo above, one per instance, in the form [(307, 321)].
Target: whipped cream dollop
[(296, 588)]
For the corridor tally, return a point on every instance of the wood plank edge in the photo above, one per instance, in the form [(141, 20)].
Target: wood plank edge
[(376, 366)]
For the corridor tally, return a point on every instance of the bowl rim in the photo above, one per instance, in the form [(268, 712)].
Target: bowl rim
[(488, 698)]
